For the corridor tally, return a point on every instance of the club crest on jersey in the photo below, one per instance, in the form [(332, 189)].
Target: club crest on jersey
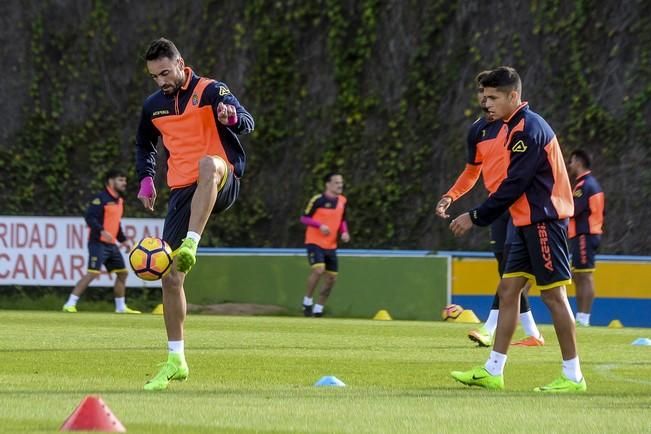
[(195, 99), (578, 193), (519, 147)]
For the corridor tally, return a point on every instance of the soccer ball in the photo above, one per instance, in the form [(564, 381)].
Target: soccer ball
[(451, 311), (151, 258)]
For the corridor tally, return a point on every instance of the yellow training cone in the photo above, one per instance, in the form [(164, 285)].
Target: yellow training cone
[(467, 316), (615, 324), (382, 315), (158, 310)]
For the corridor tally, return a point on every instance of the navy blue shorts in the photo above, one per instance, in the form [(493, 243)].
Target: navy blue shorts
[(584, 249), (317, 256), (539, 251), (177, 220), (498, 230), (502, 232), (109, 255)]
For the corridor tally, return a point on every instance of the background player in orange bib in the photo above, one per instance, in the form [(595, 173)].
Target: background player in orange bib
[(103, 217), (325, 218), (586, 227)]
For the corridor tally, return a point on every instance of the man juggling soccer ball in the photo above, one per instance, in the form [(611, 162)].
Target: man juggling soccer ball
[(198, 120)]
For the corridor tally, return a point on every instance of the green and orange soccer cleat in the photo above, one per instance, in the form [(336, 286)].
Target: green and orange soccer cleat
[(479, 376), (186, 255), (175, 369)]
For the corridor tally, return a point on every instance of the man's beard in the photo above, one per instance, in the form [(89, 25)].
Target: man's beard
[(174, 88)]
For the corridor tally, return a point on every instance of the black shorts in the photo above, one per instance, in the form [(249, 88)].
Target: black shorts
[(317, 256), (179, 207), (498, 230), (539, 251), (109, 255), (502, 232), (584, 248)]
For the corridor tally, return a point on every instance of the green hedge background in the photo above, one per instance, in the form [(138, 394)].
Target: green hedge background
[(380, 90)]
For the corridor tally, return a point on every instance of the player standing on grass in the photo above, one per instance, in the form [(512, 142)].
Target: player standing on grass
[(324, 218), (482, 136), (199, 120), (103, 217), (536, 190), (586, 227)]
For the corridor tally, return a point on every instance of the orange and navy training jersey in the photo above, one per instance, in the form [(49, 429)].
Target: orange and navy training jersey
[(533, 185), (325, 210), (589, 205), (486, 158), (187, 122), (104, 213)]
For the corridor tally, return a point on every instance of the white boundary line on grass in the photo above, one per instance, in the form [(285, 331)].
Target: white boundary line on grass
[(606, 371)]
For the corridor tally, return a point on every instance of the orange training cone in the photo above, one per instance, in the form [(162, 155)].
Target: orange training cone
[(92, 415)]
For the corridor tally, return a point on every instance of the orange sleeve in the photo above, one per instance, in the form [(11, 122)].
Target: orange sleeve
[(465, 182)]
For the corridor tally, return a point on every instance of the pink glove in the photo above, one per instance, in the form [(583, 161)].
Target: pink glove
[(147, 188), (232, 120)]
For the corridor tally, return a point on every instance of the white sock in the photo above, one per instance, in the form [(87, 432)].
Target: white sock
[(193, 236), (529, 324), (72, 300), (120, 304), (572, 369), (495, 363), (491, 322), (318, 308), (175, 347), (583, 318), (307, 301)]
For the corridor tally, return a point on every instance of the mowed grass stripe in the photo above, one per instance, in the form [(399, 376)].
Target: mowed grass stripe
[(256, 374)]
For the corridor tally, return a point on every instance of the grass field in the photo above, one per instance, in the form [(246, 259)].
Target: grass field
[(256, 374)]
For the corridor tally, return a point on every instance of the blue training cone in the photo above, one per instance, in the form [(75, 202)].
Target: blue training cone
[(330, 380), (642, 342)]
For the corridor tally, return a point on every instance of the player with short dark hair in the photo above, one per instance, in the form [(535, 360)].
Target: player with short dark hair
[(586, 227), (482, 162), (103, 217), (198, 120), (324, 218), (535, 188)]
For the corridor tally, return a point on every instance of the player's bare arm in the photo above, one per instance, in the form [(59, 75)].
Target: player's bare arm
[(442, 206)]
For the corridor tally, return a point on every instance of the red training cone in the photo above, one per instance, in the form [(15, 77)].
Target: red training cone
[(92, 415)]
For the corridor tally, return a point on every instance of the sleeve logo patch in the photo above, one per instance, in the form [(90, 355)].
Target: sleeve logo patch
[(223, 90), (578, 193), (519, 147), (96, 201)]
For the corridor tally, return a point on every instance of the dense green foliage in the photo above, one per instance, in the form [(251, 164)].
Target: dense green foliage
[(256, 374), (380, 90)]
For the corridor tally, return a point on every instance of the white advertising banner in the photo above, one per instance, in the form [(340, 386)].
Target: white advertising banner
[(52, 251)]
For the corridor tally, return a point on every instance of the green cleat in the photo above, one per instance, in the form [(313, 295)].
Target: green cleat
[(175, 369), (479, 376), (186, 255), (69, 309), (563, 385), (481, 336), (127, 309)]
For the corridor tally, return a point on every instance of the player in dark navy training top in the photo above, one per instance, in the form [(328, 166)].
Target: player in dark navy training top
[(325, 219), (103, 217), (536, 190), (198, 120), (586, 227), (485, 160)]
